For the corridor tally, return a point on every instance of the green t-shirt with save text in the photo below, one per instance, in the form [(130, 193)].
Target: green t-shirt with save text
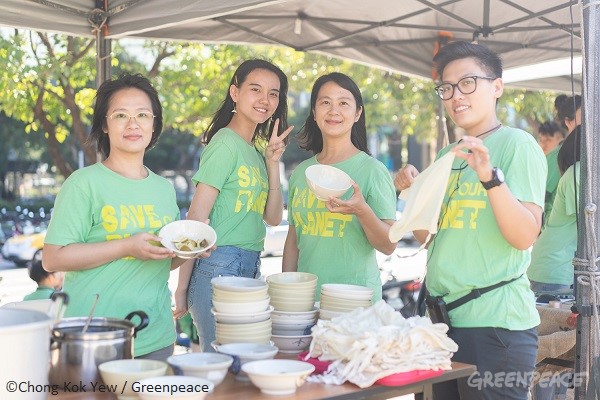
[(553, 252), (94, 205), (238, 171), (334, 246), (469, 252)]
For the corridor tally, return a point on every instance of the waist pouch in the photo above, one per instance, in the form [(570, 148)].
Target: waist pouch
[(438, 309)]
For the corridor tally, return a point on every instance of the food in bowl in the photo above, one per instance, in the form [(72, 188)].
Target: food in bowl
[(184, 232), (278, 377), (122, 373), (326, 181), (211, 366)]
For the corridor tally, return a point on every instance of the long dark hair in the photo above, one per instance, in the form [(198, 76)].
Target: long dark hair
[(224, 114), (103, 96), (311, 138), (570, 151)]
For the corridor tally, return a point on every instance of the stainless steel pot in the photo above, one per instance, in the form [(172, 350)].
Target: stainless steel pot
[(75, 356)]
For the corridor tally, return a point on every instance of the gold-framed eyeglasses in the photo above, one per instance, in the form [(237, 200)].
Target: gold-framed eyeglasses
[(123, 118), (466, 85)]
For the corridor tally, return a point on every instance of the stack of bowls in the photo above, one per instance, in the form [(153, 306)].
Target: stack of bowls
[(292, 291), (338, 299), (241, 309), (293, 297)]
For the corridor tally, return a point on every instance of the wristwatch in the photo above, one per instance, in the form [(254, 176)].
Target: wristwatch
[(497, 179)]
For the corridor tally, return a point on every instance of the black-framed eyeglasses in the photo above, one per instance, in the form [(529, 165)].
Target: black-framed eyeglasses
[(466, 85), (122, 118)]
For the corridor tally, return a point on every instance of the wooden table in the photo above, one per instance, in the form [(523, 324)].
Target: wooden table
[(231, 389)]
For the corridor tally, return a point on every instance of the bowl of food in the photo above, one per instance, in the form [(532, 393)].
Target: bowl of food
[(187, 238), (278, 377), (173, 387), (326, 181), (122, 373), (211, 366)]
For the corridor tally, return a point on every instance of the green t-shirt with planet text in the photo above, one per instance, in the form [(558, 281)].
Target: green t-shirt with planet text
[(469, 252), (95, 204), (238, 171), (334, 246)]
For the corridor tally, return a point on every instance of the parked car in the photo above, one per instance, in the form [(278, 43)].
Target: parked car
[(25, 247), (275, 238)]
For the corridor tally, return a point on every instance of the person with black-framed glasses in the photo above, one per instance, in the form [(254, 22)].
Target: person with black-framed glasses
[(491, 214)]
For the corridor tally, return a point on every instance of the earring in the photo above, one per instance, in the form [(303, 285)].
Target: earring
[(234, 110)]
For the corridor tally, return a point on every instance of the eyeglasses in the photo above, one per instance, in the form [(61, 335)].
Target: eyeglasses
[(122, 118), (466, 85)]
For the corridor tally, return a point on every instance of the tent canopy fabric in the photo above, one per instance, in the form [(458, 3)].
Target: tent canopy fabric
[(399, 36)]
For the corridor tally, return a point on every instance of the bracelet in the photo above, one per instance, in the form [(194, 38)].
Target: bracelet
[(277, 188)]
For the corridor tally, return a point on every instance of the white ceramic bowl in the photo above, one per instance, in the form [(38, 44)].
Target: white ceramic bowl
[(291, 344), (238, 284), (211, 366), (296, 314), (118, 372), (326, 181), (187, 228), (254, 306), (293, 278), (292, 305), (243, 353), (278, 377), (198, 387), (328, 314), (239, 297), (227, 318)]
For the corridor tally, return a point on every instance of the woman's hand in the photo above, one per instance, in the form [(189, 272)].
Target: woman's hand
[(477, 156), (276, 145), (405, 177), (180, 303), (354, 205), (141, 247)]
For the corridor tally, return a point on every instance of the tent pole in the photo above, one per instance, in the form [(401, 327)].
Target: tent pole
[(588, 337), (103, 58)]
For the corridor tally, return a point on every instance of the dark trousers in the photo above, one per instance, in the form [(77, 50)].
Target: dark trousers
[(505, 362)]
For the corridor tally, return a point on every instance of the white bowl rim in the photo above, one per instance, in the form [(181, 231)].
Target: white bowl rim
[(234, 348), (308, 173), (184, 361), (237, 283), (308, 367), (169, 245)]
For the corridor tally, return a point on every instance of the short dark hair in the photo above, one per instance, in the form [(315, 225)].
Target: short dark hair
[(310, 136), (566, 107), (570, 151), (488, 60), (224, 114), (103, 96), (37, 271), (550, 128)]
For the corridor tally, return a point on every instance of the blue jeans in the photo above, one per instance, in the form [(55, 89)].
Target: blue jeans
[(505, 362), (225, 261), (550, 288)]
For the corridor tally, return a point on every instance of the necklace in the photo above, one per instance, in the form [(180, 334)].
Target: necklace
[(494, 129)]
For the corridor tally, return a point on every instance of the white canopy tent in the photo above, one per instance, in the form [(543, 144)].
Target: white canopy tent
[(395, 35)]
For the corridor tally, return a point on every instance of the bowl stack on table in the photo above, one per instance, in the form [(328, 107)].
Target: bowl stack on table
[(241, 309), (293, 297), (338, 299)]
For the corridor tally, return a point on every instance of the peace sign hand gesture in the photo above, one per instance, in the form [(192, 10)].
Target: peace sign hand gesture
[(276, 145)]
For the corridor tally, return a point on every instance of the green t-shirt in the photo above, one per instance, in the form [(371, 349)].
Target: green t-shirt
[(553, 252), (41, 293), (551, 181), (238, 171), (469, 252), (334, 246), (95, 205)]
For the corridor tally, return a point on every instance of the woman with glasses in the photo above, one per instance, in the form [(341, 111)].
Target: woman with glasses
[(336, 239), (491, 215), (236, 186), (106, 216)]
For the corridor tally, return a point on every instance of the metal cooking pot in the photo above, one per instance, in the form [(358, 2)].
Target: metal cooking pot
[(75, 356)]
